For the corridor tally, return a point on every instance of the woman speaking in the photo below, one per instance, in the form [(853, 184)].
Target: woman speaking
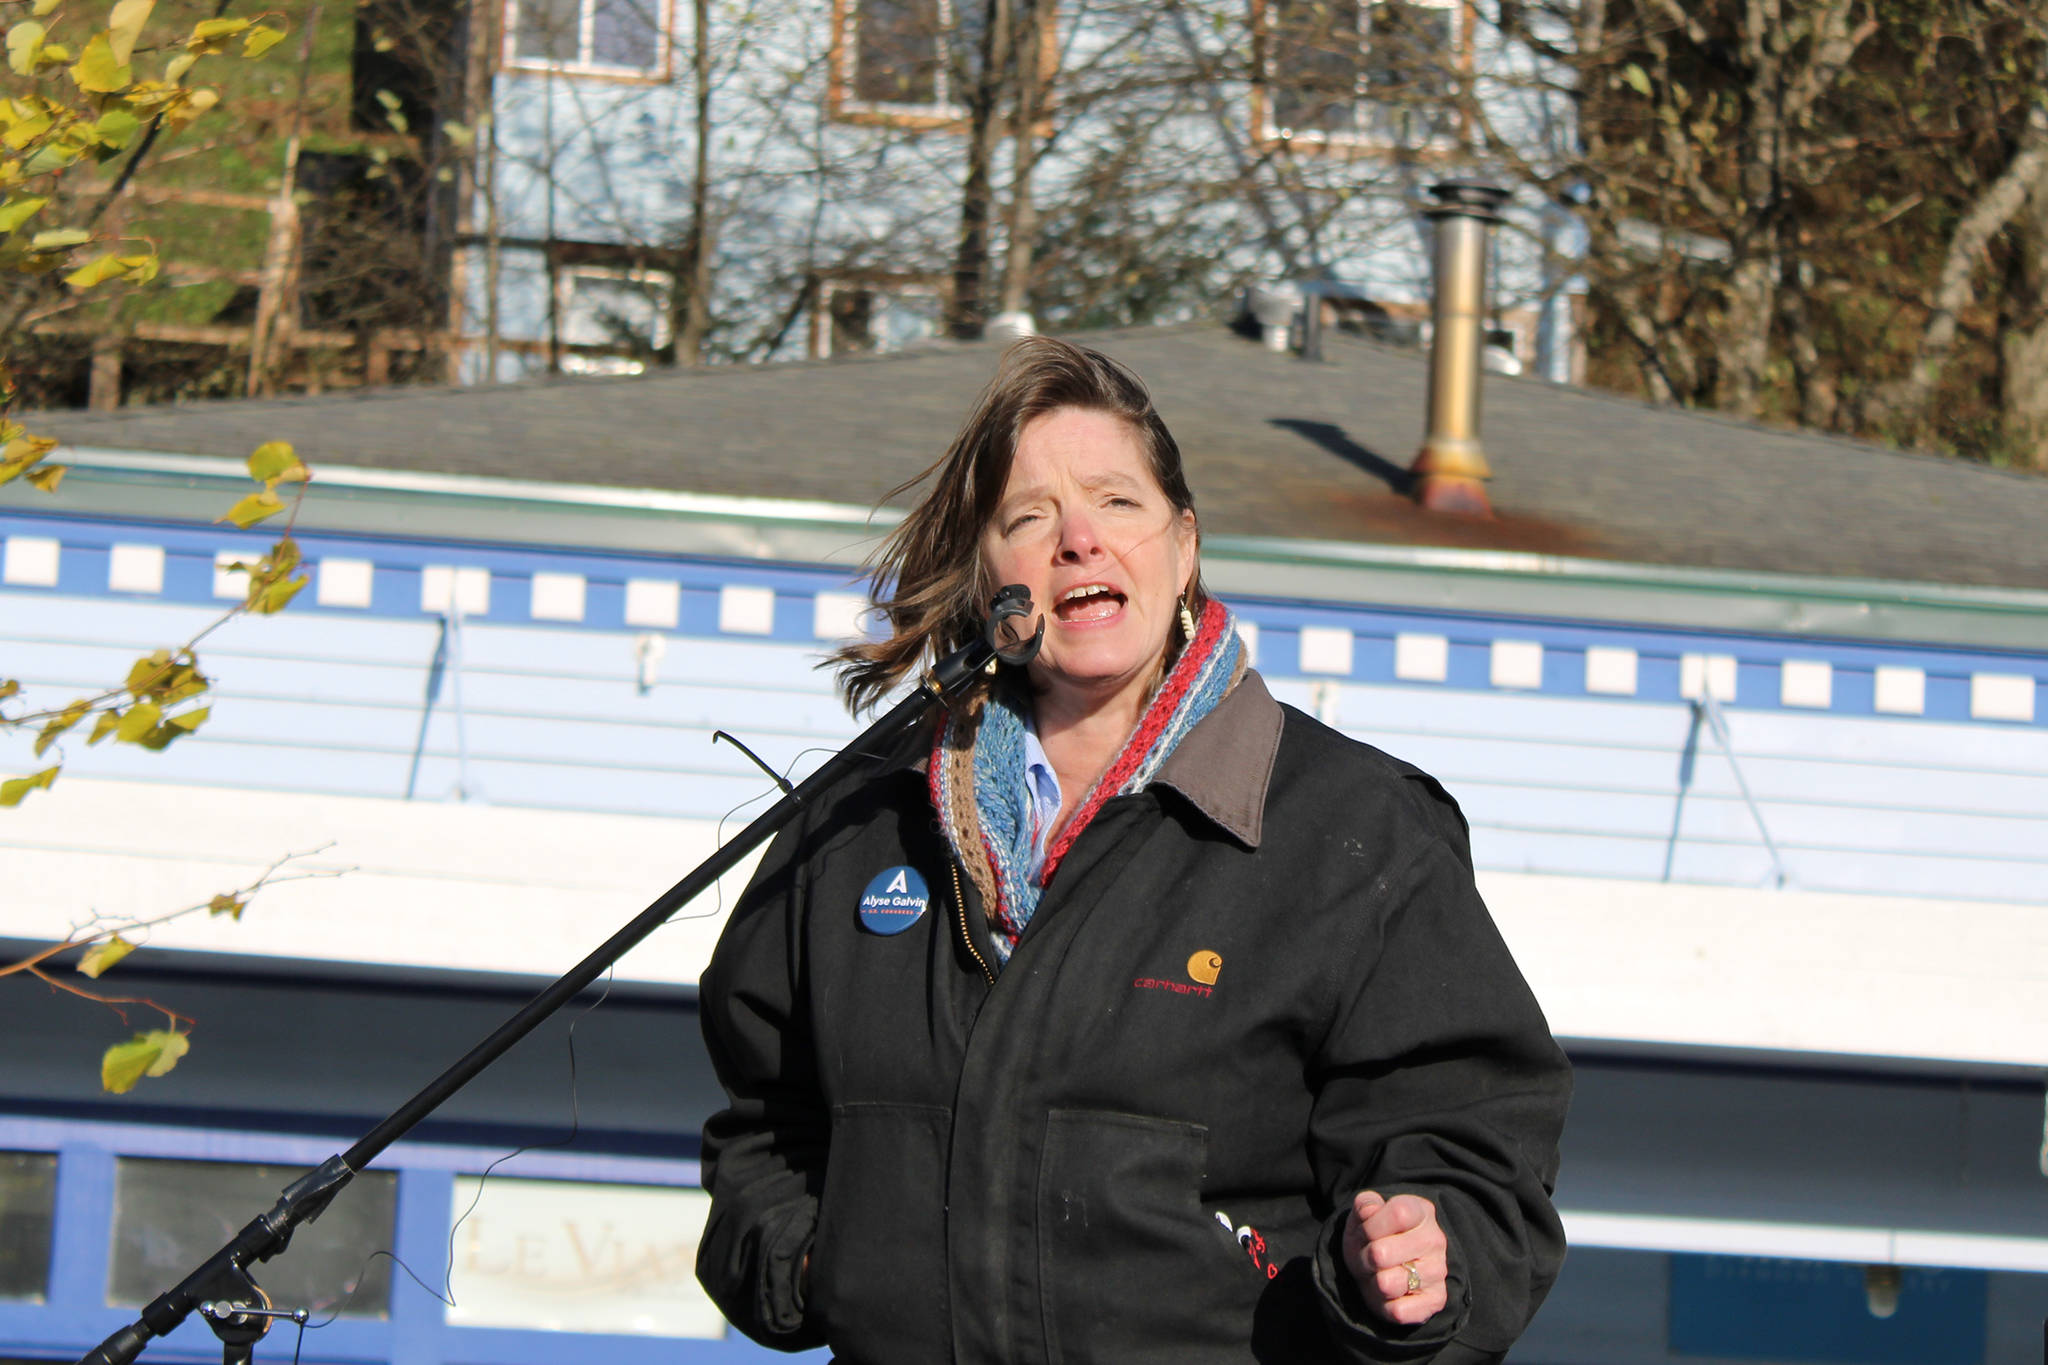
[(1131, 1016)]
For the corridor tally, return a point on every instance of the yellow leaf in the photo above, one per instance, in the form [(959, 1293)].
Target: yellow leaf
[(276, 460), (227, 904), (138, 721), (260, 40), (188, 721), (182, 111), (12, 790), (124, 27), (43, 7), (56, 239), (24, 44), (139, 269), (48, 477), (103, 955), (26, 129), (98, 70), (175, 69), (103, 726), (146, 1054), (8, 688), (254, 508), (147, 673), (58, 724)]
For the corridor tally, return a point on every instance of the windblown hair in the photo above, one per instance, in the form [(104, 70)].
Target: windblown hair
[(930, 583)]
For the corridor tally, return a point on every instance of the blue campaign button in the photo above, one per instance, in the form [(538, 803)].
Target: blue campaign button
[(894, 900)]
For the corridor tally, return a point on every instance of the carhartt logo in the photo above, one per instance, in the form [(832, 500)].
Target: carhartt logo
[(1203, 968)]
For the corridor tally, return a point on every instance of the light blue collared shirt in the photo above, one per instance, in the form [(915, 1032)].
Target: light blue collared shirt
[(1041, 795)]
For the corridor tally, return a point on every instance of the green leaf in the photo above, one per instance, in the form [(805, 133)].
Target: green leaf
[(15, 212), (146, 1054), (1637, 78), (254, 508), (276, 461), (24, 45), (275, 597), (188, 721), (57, 239), (138, 721), (260, 40), (116, 128), (124, 27), (12, 790), (227, 903), (103, 955), (99, 70), (58, 724)]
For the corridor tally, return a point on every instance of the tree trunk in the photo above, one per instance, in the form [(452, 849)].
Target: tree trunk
[(2023, 342), (1021, 225), (968, 312), (694, 288)]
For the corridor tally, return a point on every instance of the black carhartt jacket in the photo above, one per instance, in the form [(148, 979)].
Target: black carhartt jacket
[(1257, 987)]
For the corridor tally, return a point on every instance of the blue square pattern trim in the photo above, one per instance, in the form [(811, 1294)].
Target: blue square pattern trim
[(815, 606)]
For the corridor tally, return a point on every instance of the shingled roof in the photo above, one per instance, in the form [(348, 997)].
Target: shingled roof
[(1275, 447)]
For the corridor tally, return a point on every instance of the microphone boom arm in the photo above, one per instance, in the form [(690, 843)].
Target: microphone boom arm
[(224, 1275)]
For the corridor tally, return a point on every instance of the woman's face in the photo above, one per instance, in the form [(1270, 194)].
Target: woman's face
[(1085, 526)]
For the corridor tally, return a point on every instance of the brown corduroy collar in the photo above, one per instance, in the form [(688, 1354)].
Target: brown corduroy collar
[(1224, 765)]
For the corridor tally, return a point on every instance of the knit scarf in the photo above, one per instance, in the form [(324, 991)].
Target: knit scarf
[(977, 772)]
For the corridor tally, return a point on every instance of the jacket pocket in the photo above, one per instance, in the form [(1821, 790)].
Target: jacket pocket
[(878, 1271), (1131, 1267)]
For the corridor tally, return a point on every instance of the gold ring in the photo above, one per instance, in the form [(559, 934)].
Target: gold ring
[(1414, 1278)]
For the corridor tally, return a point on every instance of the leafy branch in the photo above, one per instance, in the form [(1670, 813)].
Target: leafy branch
[(107, 940)]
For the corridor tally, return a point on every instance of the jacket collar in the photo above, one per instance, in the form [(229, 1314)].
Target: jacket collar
[(1223, 766)]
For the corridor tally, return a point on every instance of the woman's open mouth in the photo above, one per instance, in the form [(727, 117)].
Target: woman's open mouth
[(1088, 602)]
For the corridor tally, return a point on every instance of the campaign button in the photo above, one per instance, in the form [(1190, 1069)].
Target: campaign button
[(894, 900)]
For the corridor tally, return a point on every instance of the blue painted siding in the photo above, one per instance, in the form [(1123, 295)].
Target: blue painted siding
[(1952, 801)]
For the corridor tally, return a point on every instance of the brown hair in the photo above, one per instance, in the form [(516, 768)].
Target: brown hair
[(928, 574)]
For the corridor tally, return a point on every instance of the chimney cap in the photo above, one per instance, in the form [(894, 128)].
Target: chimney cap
[(1467, 198)]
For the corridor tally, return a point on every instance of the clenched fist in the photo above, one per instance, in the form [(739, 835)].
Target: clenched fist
[(1396, 1250)]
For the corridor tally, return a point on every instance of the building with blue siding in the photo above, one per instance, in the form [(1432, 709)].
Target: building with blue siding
[(1184, 150), (1749, 726)]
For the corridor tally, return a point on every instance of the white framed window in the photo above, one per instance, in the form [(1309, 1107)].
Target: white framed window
[(904, 62), (623, 38), (875, 315), (621, 310), (1359, 73)]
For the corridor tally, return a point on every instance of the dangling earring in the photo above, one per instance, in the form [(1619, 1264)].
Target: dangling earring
[(1187, 622)]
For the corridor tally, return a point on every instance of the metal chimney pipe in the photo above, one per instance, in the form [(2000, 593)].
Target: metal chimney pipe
[(1451, 469)]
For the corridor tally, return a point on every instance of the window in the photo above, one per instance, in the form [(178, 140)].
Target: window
[(170, 1215), (1359, 72), (28, 1184), (875, 314), (612, 309), (597, 37), (908, 62)]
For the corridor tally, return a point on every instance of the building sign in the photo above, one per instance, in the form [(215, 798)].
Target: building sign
[(573, 1257)]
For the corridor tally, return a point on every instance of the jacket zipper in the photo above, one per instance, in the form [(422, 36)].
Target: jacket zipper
[(960, 902)]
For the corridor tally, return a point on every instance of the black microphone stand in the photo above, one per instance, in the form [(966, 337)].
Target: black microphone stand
[(237, 1309)]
